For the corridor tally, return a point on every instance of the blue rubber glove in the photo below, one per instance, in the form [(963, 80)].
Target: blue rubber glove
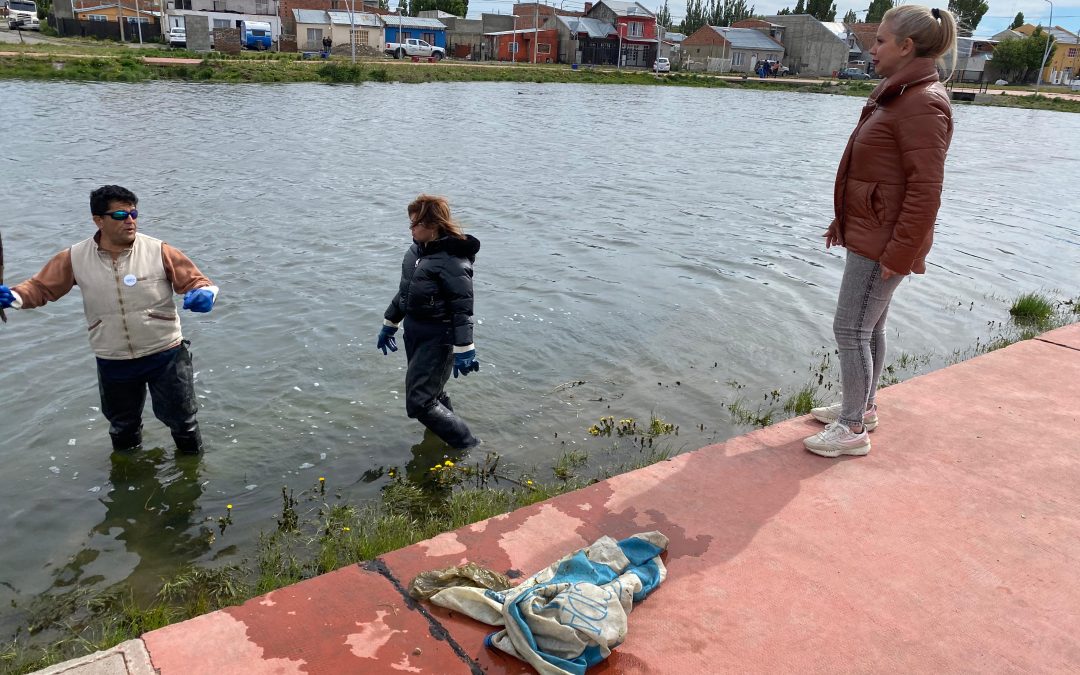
[(387, 339), (6, 297), (465, 362), (199, 300)]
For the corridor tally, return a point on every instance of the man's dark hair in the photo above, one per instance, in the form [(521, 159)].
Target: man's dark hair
[(104, 195)]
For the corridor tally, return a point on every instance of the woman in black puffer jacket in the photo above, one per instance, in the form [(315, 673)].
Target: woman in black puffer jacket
[(435, 299)]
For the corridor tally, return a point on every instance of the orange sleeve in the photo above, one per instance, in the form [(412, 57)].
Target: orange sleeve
[(50, 284), (181, 272)]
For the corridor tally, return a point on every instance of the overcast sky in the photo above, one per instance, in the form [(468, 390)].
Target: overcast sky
[(1066, 14)]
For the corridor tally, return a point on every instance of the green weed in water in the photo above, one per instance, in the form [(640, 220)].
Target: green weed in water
[(566, 465), (1032, 309), (802, 401), (741, 412)]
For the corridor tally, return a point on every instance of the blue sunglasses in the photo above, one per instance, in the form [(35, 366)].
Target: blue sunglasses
[(122, 215)]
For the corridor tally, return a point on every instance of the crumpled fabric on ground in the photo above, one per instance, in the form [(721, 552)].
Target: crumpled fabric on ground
[(570, 615), (427, 584)]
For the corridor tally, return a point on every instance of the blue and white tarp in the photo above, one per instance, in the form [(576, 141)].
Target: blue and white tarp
[(570, 615)]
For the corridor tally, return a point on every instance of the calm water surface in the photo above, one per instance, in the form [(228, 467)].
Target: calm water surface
[(656, 244)]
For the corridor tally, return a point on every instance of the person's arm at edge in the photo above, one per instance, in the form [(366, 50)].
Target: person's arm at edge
[(457, 283), (53, 282), (182, 272)]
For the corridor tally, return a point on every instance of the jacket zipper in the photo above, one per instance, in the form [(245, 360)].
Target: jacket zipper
[(123, 311)]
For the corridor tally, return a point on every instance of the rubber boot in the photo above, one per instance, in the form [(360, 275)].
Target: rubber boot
[(445, 400), (189, 444), (128, 442), (448, 426)]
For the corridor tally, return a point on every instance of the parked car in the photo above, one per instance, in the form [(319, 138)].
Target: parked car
[(178, 36), (852, 74), (662, 65), (413, 47)]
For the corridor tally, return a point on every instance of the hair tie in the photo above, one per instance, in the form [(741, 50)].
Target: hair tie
[(936, 13)]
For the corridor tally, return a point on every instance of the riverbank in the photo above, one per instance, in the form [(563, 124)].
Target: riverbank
[(317, 532), (819, 569), (37, 62)]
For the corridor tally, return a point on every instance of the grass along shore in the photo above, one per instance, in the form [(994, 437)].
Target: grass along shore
[(90, 62), (318, 532), (1030, 315)]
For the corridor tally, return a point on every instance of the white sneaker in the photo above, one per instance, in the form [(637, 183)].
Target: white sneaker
[(830, 413), (838, 440)]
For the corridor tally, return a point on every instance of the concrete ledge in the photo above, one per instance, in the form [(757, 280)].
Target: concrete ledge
[(1069, 336), (126, 658), (951, 547)]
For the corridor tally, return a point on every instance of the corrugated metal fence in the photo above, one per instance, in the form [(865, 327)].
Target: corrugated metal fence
[(105, 30)]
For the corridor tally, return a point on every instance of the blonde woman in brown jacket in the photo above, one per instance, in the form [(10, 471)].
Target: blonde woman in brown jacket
[(886, 199)]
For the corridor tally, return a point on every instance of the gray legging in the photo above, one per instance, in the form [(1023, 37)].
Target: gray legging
[(859, 326)]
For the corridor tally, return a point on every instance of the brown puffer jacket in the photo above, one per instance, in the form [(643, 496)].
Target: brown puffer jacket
[(888, 186)]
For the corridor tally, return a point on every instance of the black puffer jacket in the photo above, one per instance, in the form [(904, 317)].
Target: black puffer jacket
[(436, 285)]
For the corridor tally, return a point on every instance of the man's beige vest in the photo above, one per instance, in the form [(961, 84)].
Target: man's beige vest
[(128, 302)]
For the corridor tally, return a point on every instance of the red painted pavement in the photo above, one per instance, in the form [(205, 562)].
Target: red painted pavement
[(952, 547), (348, 621)]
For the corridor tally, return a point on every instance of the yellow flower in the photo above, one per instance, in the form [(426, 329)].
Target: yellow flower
[(528, 482), (345, 529), (321, 479), (448, 463), (228, 506)]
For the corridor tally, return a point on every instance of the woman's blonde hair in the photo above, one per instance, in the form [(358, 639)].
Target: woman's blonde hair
[(932, 30), (434, 213)]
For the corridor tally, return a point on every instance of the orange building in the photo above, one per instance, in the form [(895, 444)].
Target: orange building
[(1064, 66), (111, 11), (524, 45)]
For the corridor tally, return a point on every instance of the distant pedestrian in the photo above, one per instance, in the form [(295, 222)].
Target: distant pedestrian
[(435, 300), (886, 199), (327, 43)]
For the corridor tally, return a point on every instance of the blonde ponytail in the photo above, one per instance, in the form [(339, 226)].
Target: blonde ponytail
[(932, 30)]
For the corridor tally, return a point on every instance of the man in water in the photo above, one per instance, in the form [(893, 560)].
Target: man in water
[(127, 281)]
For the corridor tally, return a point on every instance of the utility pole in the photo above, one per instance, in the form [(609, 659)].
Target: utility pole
[(1046, 52), (120, 7), (352, 31), (138, 23), (1076, 54), (723, 54), (619, 30), (536, 28)]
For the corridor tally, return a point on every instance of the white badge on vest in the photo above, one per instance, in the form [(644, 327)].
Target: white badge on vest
[(130, 280)]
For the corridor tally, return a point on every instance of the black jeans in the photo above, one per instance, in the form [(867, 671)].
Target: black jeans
[(171, 380), (429, 349)]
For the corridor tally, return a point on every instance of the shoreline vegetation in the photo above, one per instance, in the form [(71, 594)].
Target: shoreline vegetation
[(318, 531), (74, 63)]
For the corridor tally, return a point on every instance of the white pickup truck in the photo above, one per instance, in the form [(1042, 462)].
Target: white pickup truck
[(414, 47), (22, 14)]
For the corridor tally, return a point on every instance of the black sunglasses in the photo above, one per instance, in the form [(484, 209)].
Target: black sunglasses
[(122, 215)]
